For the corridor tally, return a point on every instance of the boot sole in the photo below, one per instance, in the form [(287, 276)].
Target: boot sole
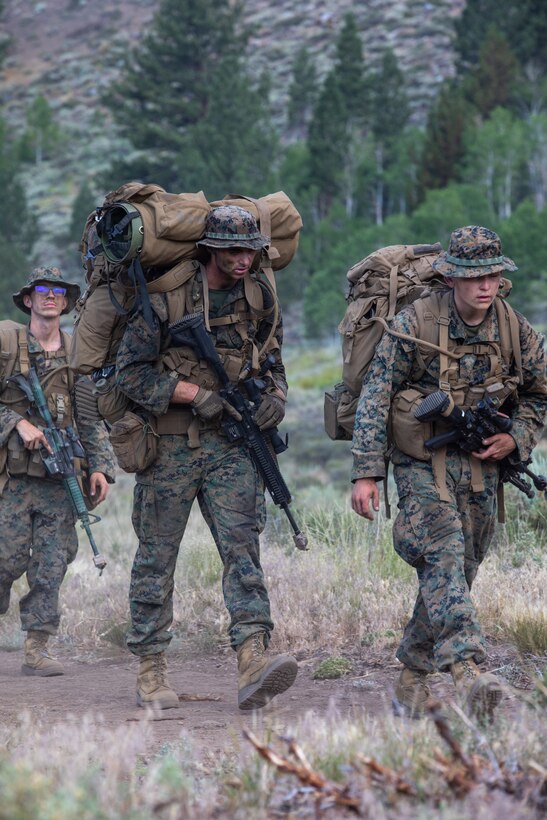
[(157, 702), (40, 673), (277, 679)]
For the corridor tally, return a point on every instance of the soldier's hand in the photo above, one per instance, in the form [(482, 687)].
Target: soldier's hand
[(364, 491), (98, 488), (496, 447), (209, 405), (31, 436), (270, 412)]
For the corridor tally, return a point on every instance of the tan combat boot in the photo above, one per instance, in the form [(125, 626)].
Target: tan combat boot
[(260, 678), (411, 693), (481, 691), (37, 659), (153, 688)]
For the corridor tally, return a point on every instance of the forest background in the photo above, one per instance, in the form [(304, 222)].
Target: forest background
[(385, 123)]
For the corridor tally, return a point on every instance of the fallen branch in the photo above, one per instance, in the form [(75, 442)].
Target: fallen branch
[(323, 788)]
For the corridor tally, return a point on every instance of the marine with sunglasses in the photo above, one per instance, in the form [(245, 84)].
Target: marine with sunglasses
[(37, 523)]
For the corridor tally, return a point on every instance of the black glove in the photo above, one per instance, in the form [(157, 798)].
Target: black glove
[(271, 411), (208, 404)]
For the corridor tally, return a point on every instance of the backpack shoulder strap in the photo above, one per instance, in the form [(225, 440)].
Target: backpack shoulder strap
[(432, 319), (13, 339), (67, 342), (509, 329), (174, 278)]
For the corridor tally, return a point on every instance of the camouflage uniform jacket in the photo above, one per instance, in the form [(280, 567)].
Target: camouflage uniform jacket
[(148, 370), (392, 369), (94, 436)]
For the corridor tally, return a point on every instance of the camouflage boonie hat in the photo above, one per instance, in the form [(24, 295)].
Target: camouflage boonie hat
[(473, 251), (230, 226), (51, 276)]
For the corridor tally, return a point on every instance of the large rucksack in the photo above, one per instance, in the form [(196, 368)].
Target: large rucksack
[(380, 285), (142, 240)]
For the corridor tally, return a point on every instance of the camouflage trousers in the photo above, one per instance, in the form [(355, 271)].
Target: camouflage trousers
[(445, 542), (223, 479), (37, 537)]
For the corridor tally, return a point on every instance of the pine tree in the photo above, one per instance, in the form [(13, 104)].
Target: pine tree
[(165, 86), (389, 113), (327, 144), (337, 128), (17, 226), (349, 70), (444, 146), (492, 83), (233, 148), (42, 136), (302, 94), (523, 23)]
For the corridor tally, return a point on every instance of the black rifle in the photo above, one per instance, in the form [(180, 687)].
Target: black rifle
[(65, 447), (191, 331), (470, 427)]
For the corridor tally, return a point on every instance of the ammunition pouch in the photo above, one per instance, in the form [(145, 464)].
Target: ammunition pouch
[(405, 432), (134, 441)]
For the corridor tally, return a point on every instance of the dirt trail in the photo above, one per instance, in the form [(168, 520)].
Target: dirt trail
[(106, 687)]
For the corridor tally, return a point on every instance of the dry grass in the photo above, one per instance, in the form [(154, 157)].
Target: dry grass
[(85, 770), (349, 592)]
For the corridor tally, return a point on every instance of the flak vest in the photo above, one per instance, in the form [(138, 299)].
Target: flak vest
[(57, 384), (408, 434), (241, 360)]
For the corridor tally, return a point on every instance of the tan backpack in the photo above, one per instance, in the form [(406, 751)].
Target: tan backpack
[(380, 285), (141, 241), (163, 228)]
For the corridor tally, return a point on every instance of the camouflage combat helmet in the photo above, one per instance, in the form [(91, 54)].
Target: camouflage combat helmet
[(229, 226), (473, 251), (52, 276)]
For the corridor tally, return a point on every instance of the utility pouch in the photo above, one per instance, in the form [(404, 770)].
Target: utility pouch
[(339, 406), (112, 404), (135, 442), (17, 456), (406, 432)]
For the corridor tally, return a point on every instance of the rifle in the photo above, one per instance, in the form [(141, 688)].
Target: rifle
[(470, 428), (190, 330), (65, 446)]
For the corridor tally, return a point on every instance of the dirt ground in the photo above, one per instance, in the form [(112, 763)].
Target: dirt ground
[(207, 687)]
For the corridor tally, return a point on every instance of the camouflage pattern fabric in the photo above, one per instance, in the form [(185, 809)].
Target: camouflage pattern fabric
[(141, 345), (37, 537), (222, 475), (473, 251), (392, 367), (230, 226), (444, 541), (37, 532)]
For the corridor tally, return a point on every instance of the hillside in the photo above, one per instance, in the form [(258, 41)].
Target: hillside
[(69, 50)]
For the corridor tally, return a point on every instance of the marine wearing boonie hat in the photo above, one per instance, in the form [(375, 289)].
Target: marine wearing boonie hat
[(230, 226), (51, 276), (473, 251)]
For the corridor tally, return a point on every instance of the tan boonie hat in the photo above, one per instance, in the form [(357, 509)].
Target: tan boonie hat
[(50, 276), (230, 226), (473, 251)]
